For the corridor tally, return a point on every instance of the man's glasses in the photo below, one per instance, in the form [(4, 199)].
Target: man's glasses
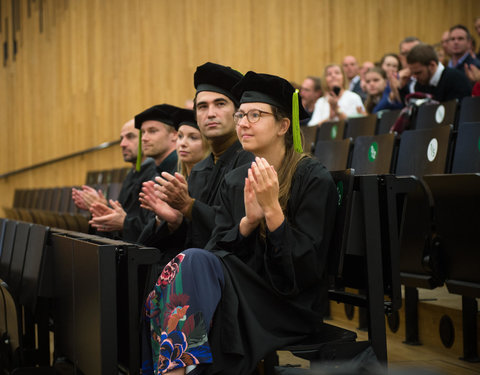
[(252, 116)]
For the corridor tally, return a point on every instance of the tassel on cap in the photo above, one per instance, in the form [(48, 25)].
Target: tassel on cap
[(297, 138)]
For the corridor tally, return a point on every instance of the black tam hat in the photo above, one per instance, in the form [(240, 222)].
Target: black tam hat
[(266, 88), (276, 91), (216, 78), (184, 117), (163, 113)]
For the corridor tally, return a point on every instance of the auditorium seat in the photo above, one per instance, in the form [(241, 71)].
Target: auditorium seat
[(333, 154), (374, 154), (386, 120), (424, 151), (410, 209), (14, 277), (357, 126), (469, 110), (466, 157), (433, 115), (309, 138), (331, 130), (7, 248), (362, 272)]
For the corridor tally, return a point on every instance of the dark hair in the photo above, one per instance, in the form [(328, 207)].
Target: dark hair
[(464, 28), (317, 82), (371, 100), (410, 39), (394, 55), (423, 54), (235, 106)]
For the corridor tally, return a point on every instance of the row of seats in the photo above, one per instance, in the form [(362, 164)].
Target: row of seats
[(427, 116), (86, 290), (54, 207), (417, 152), (107, 176)]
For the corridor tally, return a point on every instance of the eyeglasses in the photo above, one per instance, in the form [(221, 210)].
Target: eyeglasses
[(252, 116)]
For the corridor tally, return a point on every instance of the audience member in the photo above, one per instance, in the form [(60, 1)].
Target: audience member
[(376, 81), (336, 103), (310, 92), (460, 47), (390, 99), (365, 66), (189, 206), (352, 72), (135, 218), (433, 78), (270, 244), (445, 41), (158, 142)]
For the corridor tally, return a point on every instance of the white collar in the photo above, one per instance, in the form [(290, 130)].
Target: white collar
[(437, 75)]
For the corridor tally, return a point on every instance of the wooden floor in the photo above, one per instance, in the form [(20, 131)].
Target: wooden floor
[(431, 355)]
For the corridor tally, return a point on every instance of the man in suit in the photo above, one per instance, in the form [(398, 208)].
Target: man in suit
[(433, 78), (460, 47)]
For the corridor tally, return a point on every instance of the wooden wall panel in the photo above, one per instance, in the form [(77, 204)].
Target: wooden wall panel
[(97, 63)]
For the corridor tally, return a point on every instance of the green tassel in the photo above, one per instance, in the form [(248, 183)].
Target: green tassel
[(297, 138), (139, 153)]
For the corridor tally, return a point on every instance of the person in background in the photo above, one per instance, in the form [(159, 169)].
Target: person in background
[(310, 92), (460, 47), (352, 72), (376, 81), (433, 78), (158, 142), (337, 103), (135, 218), (365, 66)]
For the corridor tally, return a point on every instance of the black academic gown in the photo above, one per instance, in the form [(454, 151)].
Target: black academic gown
[(136, 217), (203, 185), (272, 289)]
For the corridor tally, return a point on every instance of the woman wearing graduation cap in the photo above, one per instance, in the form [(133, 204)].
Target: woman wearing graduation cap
[(258, 287)]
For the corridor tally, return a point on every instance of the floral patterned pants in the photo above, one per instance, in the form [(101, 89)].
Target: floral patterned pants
[(179, 311)]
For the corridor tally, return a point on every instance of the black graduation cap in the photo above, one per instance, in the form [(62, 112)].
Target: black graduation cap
[(184, 117), (274, 90), (163, 113), (216, 78), (266, 88)]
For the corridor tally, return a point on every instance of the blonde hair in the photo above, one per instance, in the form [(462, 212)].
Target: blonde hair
[(324, 81), (182, 166)]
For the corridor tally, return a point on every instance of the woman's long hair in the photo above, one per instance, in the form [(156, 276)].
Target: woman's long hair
[(288, 166)]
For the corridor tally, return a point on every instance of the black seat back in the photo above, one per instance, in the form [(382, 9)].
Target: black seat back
[(466, 157), (457, 207), (333, 154), (358, 126), (18, 256), (331, 130), (374, 154), (433, 115), (31, 281), (309, 138), (386, 120), (469, 110), (424, 151), (7, 248)]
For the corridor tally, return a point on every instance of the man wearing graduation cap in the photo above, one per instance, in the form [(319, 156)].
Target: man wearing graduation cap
[(158, 138), (214, 107)]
